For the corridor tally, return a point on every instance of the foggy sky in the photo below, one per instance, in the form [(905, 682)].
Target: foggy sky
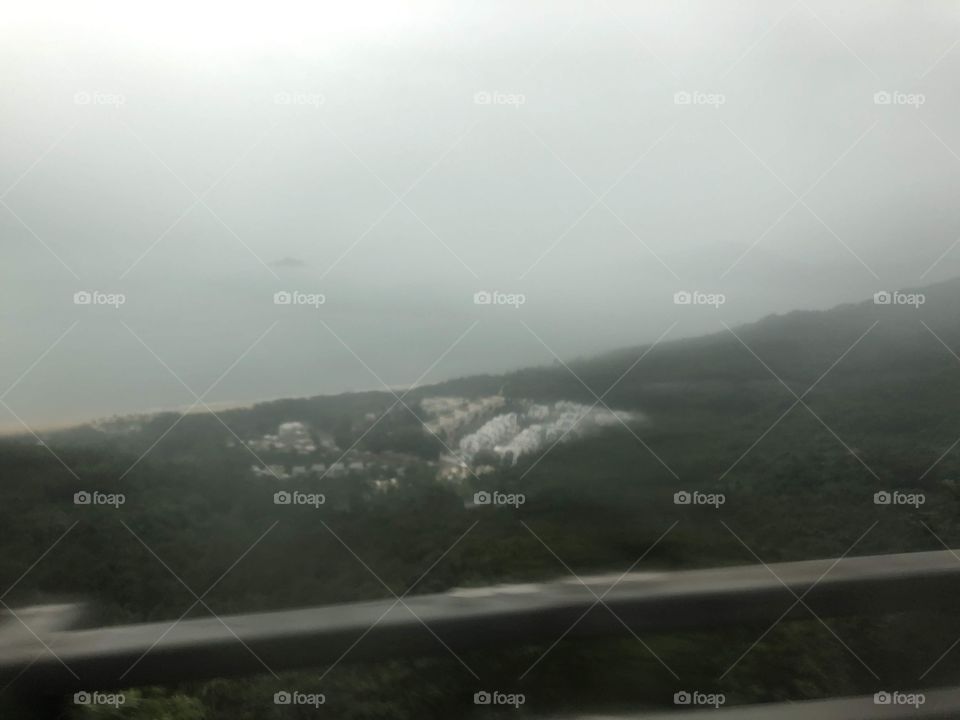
[(298, 128)]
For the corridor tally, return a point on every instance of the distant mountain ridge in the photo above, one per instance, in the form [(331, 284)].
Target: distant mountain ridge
[(798, 347), (862, 348)]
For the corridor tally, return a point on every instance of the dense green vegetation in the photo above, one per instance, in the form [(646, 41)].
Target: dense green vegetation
[(881, 418)]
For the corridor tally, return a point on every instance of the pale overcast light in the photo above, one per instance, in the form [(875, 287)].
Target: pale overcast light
[(192, 160)]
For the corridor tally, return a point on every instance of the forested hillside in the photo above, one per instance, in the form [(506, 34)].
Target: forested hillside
[(730, 413)]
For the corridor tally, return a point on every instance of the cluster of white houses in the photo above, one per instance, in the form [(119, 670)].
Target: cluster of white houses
[(452, 414), (281, 472), (513, 434), (335, 469), (293, 437), (482, 433)]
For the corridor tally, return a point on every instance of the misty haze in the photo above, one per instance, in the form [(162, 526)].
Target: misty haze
[(454, 359), (356, 159)]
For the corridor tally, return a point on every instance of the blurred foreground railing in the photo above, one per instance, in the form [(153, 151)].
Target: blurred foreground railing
[(43, 655)]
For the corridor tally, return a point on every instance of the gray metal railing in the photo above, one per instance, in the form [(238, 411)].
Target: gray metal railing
[(42, 653)]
